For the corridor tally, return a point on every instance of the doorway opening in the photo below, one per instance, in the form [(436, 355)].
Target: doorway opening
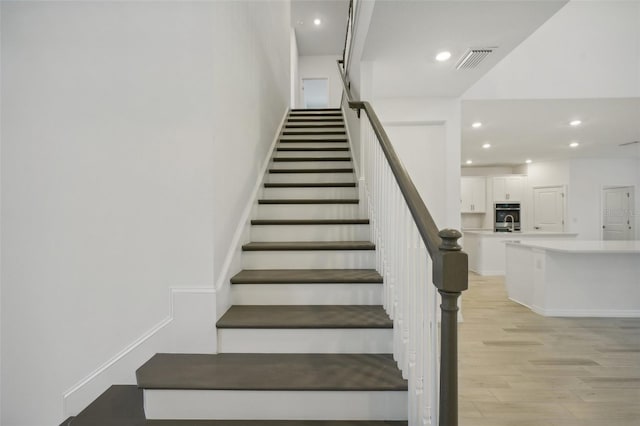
[(315, 92), (617, 213)]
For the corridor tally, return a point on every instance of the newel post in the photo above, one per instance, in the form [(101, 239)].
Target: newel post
[(451, 279)]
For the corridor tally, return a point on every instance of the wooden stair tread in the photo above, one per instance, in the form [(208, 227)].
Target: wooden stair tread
[(310, 132), (310, 201), (122, 405), (315, 118), (325, 113), (305, 316), (328, 170), (308, 245), (315, 109), (294, 159), (278, 372), (320, 125), (118, 405), (310, 185), (329, 148), (310, 222), (309, 141), (312, 138), (307, 276)]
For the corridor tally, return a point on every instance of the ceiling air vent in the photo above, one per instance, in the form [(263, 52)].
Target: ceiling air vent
[(473, 57)]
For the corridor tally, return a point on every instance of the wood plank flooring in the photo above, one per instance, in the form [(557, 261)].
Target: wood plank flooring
[(518, 368)]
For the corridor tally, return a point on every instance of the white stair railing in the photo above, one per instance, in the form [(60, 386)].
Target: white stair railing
[(403, 261), (417, 262)]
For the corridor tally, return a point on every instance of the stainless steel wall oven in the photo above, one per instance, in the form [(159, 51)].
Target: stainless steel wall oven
[(507, 217)]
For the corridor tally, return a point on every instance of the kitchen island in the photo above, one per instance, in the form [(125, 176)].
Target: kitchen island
[(575, 278), (486, 249)]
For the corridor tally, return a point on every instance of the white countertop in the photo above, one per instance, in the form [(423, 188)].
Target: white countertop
[(581, 246), (518, 234)]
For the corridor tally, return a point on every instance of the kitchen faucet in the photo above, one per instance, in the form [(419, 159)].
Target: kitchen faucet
[(513, 222)]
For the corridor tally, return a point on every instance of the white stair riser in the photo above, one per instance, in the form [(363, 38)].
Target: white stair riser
[(310, 164), (346, 341), (309, 259), (309, 177), (275, 405), (335, 123), (310, 233), (306, 294), (307, 193), (297, 154), (307, 211), (314, 145), (287, 139), (318, 112)]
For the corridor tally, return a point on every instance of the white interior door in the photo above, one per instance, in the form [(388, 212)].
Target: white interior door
[(548, 209), (616, 215), (315, 92)]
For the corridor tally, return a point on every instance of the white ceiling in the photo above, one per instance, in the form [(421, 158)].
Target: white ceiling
[(405, 36), (539, 130), (326, 38)]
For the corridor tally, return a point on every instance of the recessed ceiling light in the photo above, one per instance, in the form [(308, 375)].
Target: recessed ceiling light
[(469, 162), (317, 21), (443, 56), (476, 125), (574, 144), (486, 146), (575, 123), (528, 161)]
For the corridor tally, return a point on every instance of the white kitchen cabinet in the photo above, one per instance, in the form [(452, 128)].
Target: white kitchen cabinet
[(473, 194), (508, 189)]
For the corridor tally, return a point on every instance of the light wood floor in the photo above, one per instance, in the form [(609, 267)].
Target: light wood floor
[(518, 368)]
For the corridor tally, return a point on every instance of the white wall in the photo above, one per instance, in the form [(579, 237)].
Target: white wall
[(488, 171), (432, 111), (587, 179), (421, 149), (363, 14), (584, 179), (323, 66), (295, 79), (124, 126), (588, 49)]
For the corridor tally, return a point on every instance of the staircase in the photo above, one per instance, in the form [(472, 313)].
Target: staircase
[(306, 340)]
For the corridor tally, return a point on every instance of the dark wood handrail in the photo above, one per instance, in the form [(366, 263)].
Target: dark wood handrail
[(450, 263), (346, 35), (427, 227)]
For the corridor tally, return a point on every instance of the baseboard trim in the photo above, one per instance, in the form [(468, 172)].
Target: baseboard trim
[(179, 330), (581, 313), (232, 261), (593, 313), (184, 329)]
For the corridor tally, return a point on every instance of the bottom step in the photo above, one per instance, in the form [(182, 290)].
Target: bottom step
[(122, 405), (273, 387)]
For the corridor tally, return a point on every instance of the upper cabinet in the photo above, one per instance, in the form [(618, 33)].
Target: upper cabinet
[(508, 188), (473, 194)]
